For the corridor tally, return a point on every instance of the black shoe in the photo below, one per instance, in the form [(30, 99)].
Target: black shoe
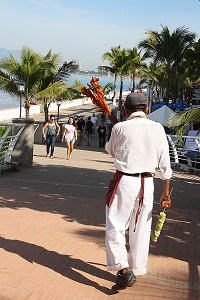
[(124, 280)]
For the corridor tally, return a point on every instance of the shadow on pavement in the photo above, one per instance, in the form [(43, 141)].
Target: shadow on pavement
[(77, 194), (62, 264)]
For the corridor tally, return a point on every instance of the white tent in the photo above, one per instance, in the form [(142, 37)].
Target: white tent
[(161, 115)]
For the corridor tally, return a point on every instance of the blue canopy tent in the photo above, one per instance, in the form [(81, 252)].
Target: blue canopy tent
[(159, 105), (178, 105)]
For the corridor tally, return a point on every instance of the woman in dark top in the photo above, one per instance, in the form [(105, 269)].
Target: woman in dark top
[(50, 131)]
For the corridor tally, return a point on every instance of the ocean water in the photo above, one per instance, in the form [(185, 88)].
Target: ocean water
[(7, 101), (103, 80)]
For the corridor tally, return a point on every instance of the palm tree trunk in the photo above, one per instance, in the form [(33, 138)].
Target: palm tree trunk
[(133, 76), (27, 107), (46, 111), (167, 86), (176, 85), (114, 90), (120, 98), (151, 99), (131, 83)]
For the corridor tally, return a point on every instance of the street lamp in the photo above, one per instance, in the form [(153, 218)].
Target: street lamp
[(58, 104), (21, 89)]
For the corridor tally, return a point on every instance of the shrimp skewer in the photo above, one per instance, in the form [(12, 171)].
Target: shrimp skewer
[(96, 94)]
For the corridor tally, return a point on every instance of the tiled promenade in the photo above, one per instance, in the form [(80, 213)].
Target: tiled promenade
[(52, 233)]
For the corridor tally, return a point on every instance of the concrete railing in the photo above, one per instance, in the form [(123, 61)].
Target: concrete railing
[(9, 139), (16, 144)]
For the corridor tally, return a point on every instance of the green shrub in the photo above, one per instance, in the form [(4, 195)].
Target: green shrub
[(3, 130)]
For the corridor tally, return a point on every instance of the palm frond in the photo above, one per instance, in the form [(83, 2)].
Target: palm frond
[(64, 71), (77, 85), (53, 91), (59, 90), (108, 88), (181, 122), (70, 94)]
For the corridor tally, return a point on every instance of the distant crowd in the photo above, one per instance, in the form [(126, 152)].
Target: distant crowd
[(91, 125)]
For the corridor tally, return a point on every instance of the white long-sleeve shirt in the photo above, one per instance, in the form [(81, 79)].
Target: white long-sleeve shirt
[(140, 145)]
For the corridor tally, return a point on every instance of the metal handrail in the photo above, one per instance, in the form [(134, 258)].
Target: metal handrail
[(36, 127), (8, 140), (180, 152)]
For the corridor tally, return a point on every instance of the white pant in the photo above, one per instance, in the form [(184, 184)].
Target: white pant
[(121, 216)]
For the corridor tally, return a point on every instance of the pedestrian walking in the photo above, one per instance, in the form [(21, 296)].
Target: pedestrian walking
[(103, 117), (94, 121), (138, 146), (102, 135), (89, 130), (50, 131), (80, 130), (70, 136)]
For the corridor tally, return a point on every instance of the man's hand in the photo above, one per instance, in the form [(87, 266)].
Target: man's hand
[(165, 201)]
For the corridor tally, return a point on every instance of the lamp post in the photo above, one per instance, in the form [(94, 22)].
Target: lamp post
[(21, 89), (58, 104)]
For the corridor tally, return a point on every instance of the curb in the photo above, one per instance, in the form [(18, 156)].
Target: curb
[(7, 167)]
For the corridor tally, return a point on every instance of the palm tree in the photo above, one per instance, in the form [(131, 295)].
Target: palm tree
[(192, 60), (58, 90), (31, 70), (52, 84), (28, 71), (153, 76), (168, 49), (122, 63), (39, 74), (189, 72), (136, 62), (111, 57), (184, 40)]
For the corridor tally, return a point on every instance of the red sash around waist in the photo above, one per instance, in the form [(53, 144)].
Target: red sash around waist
[(114, 184)]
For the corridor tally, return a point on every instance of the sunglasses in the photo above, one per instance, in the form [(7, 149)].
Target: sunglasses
[(52, 119)]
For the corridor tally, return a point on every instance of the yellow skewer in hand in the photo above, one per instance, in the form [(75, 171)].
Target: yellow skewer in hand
[(161, 218)]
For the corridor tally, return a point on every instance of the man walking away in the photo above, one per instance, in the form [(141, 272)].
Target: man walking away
[(80, 129), (94, 121), (89, 130), (102, 135), (138, 146)]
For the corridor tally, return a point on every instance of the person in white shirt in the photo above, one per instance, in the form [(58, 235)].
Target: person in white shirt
[(94, 121), (138, 146), (70, 136)]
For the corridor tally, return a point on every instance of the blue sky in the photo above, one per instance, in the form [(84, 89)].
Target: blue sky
[(84, 29)]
